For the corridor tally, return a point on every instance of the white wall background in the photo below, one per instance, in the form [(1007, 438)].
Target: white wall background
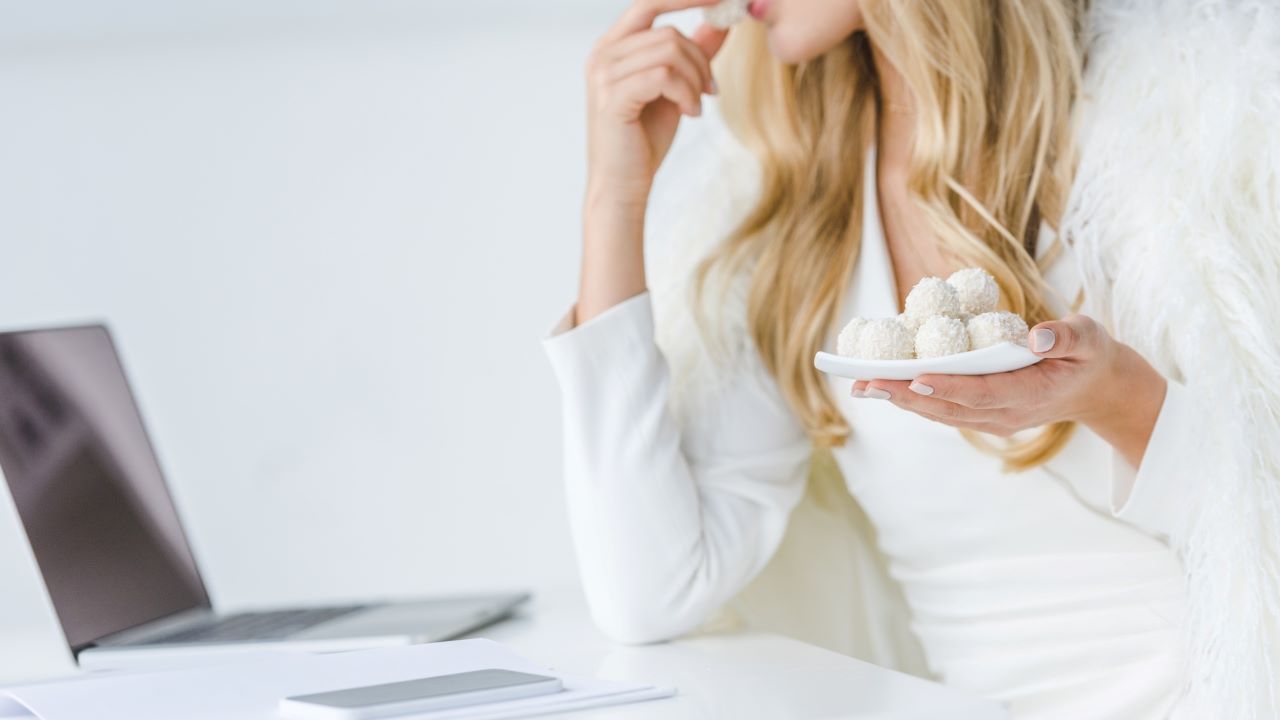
[(328, 235)]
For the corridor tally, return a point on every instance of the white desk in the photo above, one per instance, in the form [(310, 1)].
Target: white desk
[(743, 676), (738, 676)]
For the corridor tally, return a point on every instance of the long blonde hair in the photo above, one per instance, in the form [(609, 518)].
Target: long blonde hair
[(994, 83)]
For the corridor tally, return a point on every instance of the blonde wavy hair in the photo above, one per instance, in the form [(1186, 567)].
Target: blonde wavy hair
[(994, 85)]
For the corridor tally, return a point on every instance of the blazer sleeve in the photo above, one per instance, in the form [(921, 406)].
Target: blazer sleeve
[(1158, 495), (668, 522)]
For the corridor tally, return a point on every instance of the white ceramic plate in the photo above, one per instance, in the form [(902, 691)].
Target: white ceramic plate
[(995, 359)]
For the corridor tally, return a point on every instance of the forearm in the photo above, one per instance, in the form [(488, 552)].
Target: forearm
[(1128, 404), (612, 254), (663, 540)]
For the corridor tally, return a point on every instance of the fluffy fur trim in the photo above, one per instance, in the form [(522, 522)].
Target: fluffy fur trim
[(700, 195), (1176, 221)]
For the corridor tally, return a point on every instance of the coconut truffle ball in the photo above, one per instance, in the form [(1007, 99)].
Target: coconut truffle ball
[(941, 335), (726, 13), (883, 339), (847, 342), (993, 328), (931, 296), (976, 289)]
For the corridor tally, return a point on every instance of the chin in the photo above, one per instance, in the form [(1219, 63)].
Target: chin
[(789, 49), (795, 43)]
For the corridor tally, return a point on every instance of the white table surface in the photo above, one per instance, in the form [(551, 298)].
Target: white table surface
[(731, 675), (739, 675)]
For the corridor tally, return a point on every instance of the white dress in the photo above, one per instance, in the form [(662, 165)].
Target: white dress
[(1041, 588)]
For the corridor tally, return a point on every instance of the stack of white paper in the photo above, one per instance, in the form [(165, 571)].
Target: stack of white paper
[(251, 688)]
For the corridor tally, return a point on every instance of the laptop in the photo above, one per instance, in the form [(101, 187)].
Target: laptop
[(102, 526)]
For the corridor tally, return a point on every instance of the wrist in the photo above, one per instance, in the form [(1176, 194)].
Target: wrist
[(1127, 401), (629, 198), (609, 223)]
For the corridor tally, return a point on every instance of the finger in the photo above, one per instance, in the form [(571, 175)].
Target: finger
[(666, 49), (638, 90), (988, 428), (642, 13), (858, 387), (900, 395), (981, 392), (971, 391), (688, 62), (710, 39), (638, 41), (953, 419), (1076, 336)]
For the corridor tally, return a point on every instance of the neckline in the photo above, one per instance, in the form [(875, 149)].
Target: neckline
[(873, 291), (875, 288)]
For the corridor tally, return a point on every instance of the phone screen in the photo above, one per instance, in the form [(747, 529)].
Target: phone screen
[(424, 689)]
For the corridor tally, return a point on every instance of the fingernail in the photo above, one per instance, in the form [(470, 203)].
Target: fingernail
[(876, 394), (855, 392), (920, 388), (715, 89), (1042, 340)]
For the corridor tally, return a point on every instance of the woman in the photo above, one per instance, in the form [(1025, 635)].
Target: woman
[(1128, 567)]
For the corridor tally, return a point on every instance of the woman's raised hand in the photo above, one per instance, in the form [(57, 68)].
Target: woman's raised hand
[(640, 80)]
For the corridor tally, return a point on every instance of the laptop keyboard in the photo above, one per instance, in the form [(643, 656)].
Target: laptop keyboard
[(276, 625)]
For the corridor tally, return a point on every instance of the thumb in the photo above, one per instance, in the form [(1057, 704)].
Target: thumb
[(710, 39), (1075, 336)]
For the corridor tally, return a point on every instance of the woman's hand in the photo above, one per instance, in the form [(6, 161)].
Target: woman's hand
[(640, 80), (1086, 376)]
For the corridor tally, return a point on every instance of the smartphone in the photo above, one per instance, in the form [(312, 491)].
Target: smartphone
[(417, 696)]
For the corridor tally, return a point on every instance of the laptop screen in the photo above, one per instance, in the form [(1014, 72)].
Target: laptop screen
[(87, 486)]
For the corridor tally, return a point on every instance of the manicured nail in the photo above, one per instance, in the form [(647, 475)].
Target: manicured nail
[(920, 388), (876, 394), (1042, 340), (855, 392)]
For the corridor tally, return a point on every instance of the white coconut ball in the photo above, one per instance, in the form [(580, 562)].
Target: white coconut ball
[(977, 290), (993, 328), (931, 296), (726, 13), (941, 335), (847, 342), (884, 339)]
